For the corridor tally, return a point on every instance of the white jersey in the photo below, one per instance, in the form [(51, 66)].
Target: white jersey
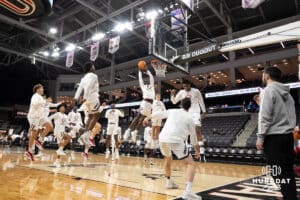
[(60, 121), (148, 90), (196, 99), (47, 108), (75, 118), (113, 116), (158, 106), (178, 126), (37, 107), (89, 85)]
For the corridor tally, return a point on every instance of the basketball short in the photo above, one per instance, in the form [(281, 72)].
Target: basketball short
[(148, 141), (112, 129), (37, 123), (156, 122), (146, 108), (180, 150), (93, 105), (196, 118), (74, 130)]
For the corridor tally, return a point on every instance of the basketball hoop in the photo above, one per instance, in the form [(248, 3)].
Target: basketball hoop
[(159, 67)]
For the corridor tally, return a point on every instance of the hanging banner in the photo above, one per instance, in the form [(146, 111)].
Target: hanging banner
[(114, 44), (94, 51), (177, 18), (70, 59), (251, 3)]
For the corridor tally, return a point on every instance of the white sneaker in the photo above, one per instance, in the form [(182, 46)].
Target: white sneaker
[(107, 153), (57, 164), (133, 136), (171, 185), (189, 195), (72, 155), (126, 135), (151, 162), (40, 154), (117, 155), (60, 152)]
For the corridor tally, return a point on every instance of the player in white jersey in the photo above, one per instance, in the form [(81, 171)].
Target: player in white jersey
[(157, 106), (37, 120), (113, 115), (145, 107), (197, 106), (179, 125), (89, 85), (63, 138)]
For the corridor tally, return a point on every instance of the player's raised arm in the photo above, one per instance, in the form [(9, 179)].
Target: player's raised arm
[(201, 102), (177, 98), (151, 78), (141, 79)]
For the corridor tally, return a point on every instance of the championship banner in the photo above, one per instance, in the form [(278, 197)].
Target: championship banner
[(251, 3), (177, 18), (25, 8), (70, 59), (298, 46), (94, 51), (114, 44)]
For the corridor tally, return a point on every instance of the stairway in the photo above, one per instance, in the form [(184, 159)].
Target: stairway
[(248, 130)]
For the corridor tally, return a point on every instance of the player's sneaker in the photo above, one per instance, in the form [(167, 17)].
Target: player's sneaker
[(151, 162), (60, 152), (189, 195), (133, 135), (107, 153), (92, 142), (80, 141), (85, 155), (126, 135), (39, 155), (28, 156), (39, 144), (171, 185), (57, 164), (117, 154), (113, 156)]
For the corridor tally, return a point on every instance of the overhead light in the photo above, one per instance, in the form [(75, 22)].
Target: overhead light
[(251, 50), (253, 71), (70, 47), (98, 36), (56, 49), (219, 72), (46, 53), (286, 63), (160, 11), (282, 45), (120, 27), (55, 54), (53, 30), (275, 65), (249, 66), (224, 56), (258, 65), (151, 14), (79, 47)]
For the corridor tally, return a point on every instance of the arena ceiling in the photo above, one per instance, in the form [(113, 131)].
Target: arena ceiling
[(78, 20)]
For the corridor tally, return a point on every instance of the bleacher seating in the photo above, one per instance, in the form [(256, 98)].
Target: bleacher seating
[(228, 128)]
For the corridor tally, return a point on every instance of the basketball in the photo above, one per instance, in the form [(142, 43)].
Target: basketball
[(142, 65)]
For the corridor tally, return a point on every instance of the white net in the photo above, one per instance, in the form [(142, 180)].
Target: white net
[(159, 67)]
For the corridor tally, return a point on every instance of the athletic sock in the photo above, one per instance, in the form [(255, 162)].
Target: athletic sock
[(168, 179), (188, 186), (61, 148)]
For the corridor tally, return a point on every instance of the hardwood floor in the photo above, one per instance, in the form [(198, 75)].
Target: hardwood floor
[(127, 179)]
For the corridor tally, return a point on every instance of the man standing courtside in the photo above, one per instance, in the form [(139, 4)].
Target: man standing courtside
[(172, 139), (276, 122)]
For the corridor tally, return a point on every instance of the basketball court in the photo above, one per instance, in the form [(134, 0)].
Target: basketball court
[(219, 47)]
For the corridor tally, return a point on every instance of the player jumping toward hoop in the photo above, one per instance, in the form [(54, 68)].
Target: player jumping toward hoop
[(145, 107), (196, 107), (113, 116)]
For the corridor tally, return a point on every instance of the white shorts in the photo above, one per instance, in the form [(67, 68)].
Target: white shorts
[(93, 105), (74, 130), (37, 123), (146, 108), (156, 122), (196, 118), (179, 149), (112, 129)]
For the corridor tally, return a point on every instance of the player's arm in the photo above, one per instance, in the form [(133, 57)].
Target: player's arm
[(79, 91), (52, 117), (121, 113), (156, 115), (201, 103), (141, 82), (151, 78), (177, 98)]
